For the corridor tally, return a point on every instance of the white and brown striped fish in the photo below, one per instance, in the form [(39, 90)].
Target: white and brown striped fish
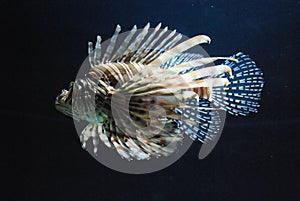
[(148, 68)]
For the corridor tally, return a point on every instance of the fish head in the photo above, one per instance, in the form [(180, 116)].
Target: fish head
[(63, 102)]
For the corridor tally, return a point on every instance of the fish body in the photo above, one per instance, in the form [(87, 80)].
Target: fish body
[(143, 96)]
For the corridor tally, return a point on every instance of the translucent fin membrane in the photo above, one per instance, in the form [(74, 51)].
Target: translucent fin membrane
[(243, 94), (199, 124)]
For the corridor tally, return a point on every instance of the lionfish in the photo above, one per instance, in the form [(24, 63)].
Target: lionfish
[(151, 69)]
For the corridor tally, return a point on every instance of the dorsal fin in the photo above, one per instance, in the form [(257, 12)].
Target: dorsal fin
[(142, 50), (97, 52), (139, 47), (136, 43), (178, 49), (161, 48), (120, 52), (111, 46), (153, 46)]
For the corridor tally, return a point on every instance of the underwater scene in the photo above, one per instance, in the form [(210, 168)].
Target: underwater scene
[(150, 100)]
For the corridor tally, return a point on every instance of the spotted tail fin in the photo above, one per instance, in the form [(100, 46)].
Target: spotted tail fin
[(243, 93)]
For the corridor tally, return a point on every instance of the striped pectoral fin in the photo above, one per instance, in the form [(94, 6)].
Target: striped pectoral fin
[(127, 148), (199, 120), (136, 151), (205, 73), (103, 135), (243, 93), (90, 131), (202, 88), (213, 70), (170, 78), (97, 132), (122, 151), (179, 83), (85, 135), (156, 148), (157, 135)]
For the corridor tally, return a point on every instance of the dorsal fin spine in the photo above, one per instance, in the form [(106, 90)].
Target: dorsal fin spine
[(160, 48), (110, 47), (125, 43), (135, 45), (90, 52), (97, 51), (142, 50), (174, 41), (154, 43)]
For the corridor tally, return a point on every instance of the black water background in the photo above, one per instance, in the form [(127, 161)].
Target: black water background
[(44, 43)]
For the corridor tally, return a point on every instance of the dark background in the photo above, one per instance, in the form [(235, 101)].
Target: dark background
[(44, 44)]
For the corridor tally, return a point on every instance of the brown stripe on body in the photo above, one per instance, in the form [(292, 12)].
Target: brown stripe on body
[(203, 92)]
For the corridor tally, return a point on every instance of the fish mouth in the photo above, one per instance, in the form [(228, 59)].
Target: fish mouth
[(65, 96), (63, 102), (62, 96)]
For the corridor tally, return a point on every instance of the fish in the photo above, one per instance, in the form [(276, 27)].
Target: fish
[(143, 94)]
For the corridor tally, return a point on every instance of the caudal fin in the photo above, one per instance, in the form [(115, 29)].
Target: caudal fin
[(243, 94)]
